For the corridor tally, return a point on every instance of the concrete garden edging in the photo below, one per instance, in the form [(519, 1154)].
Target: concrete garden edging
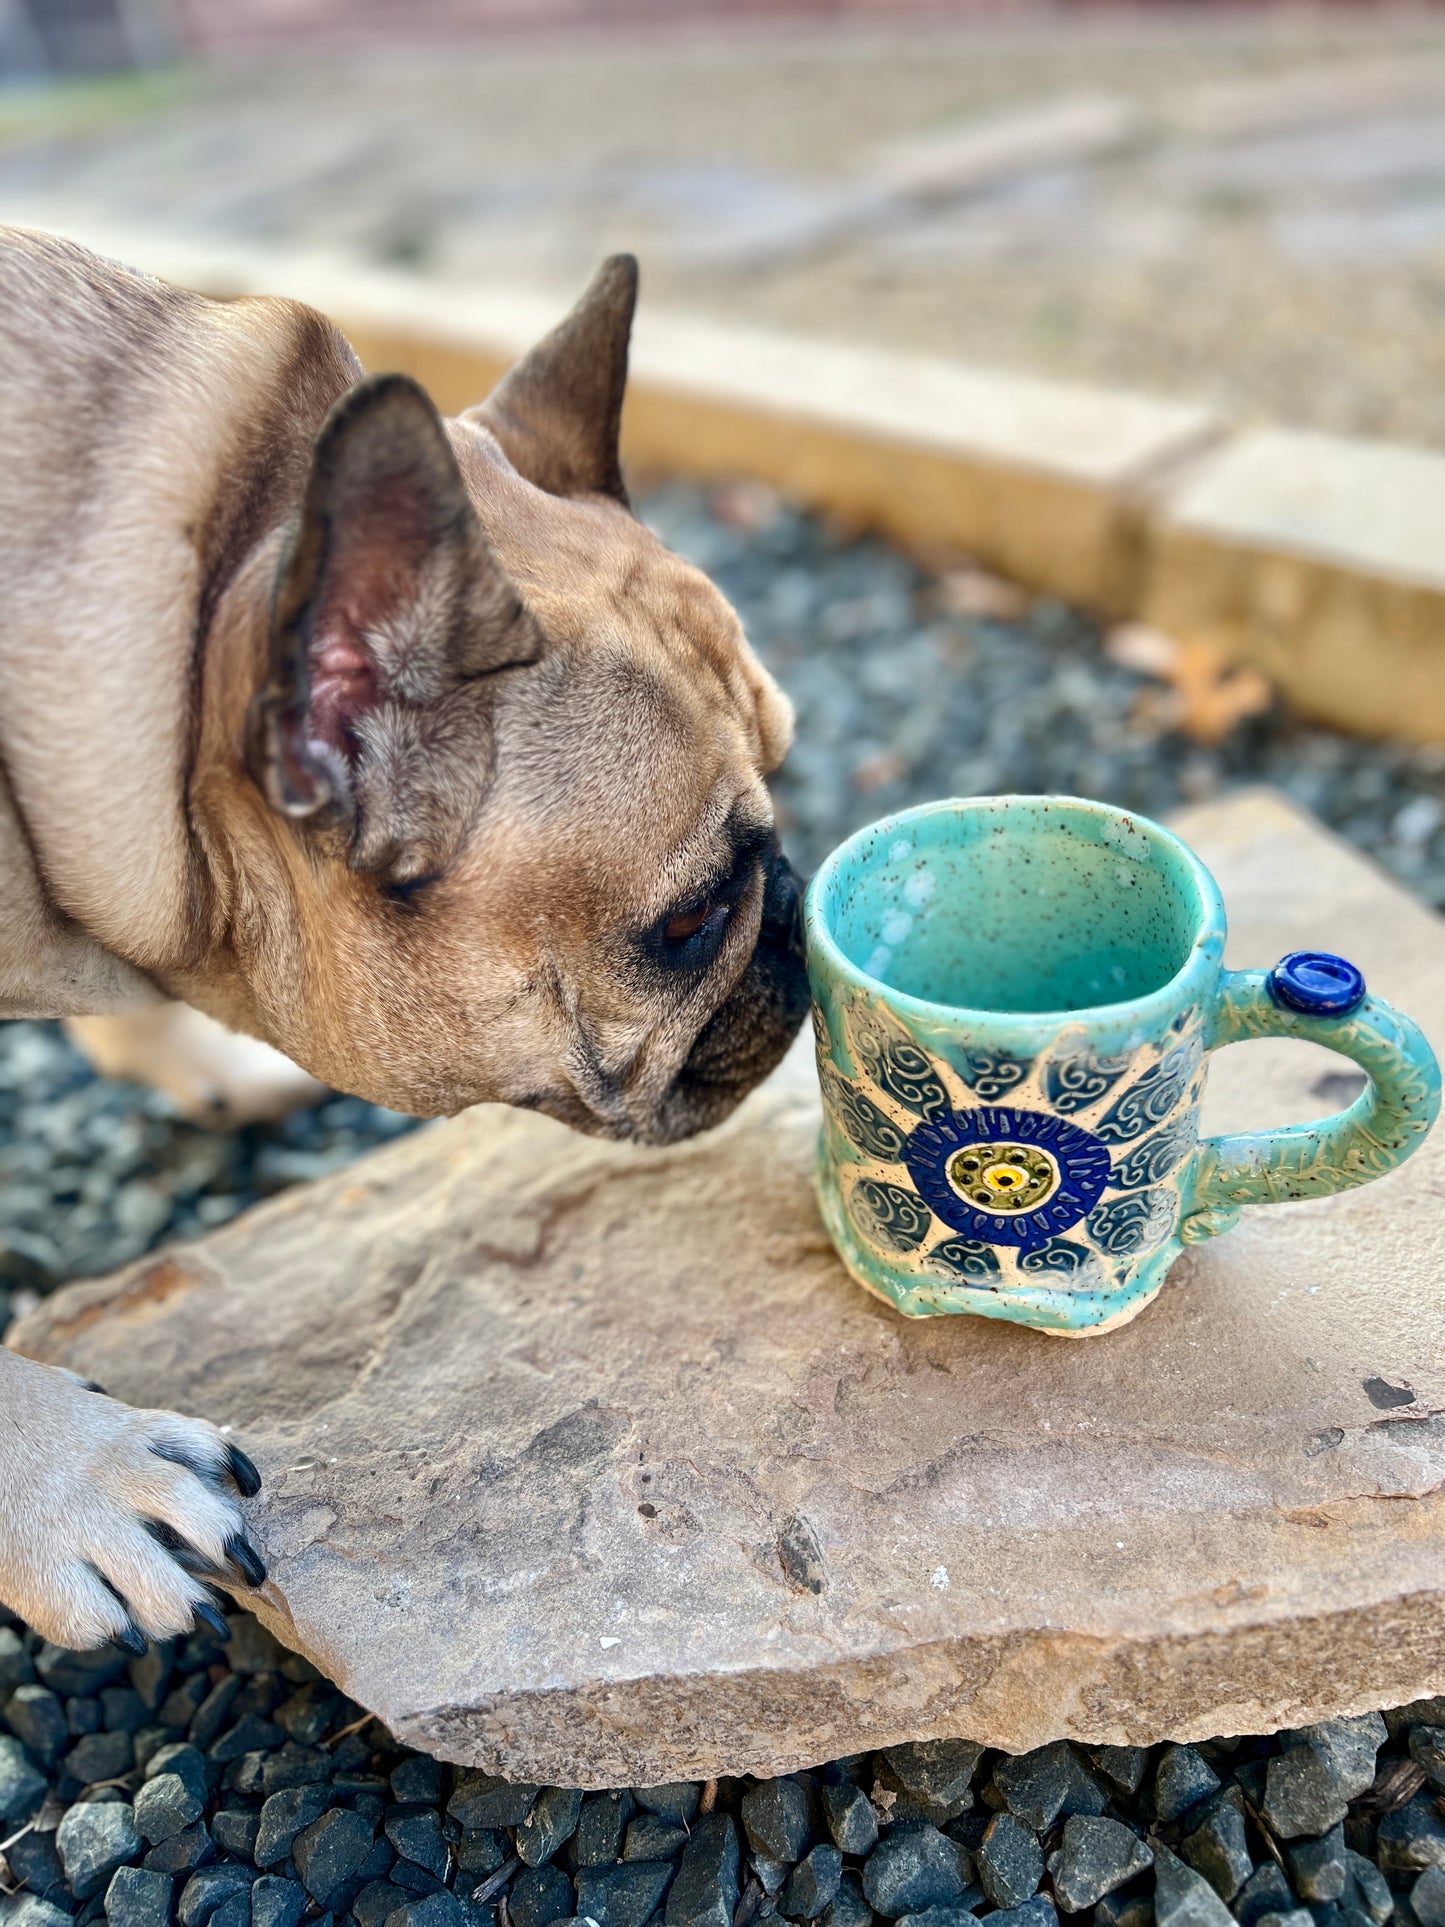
[(1318, 558)]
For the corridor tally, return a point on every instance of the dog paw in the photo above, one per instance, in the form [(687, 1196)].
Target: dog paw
[(111, 1517)]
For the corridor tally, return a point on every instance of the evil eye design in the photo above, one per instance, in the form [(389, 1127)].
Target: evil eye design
[(1150, 1100), (1006, 1177), (895, 1217), (1073, 1083)]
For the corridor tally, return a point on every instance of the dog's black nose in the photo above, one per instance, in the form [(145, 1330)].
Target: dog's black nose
[(783, 905)]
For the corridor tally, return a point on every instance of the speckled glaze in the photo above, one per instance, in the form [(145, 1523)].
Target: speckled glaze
[(1014, 1000)]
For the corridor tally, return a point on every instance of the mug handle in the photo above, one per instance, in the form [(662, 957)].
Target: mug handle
[(1322, 999)]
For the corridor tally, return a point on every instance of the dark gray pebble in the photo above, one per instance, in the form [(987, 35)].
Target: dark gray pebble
[(416, 1834), (1427, 1898), (552, 1821), (540, 1895), (183, 1851), (1184, 1898), (1412, 1837), (1427, 1748), (1095, 1856), (914, 1868), (22, 1784), (307, 1715), (1037, 1912), (93, 1841), (282, 1817), (330, 1851), (1182, 1778), (250, 1734), (414, 1779), (437, 1910), (850, 1817), (277, 1902), (1125, 1909), (1218, 1847), (849, 1909), (623, 1896), (1038, 1787), (213, 1712), (649, 1837), (376, 1902), (775, 1819), (36, 1716), (234, 1831), (1296, 1917), (35, 1864), (292, 1765), (165, 1805), (1121, 1768), (675, 1800), (138, 1898), (209, 1888), (813, 1884), (16, 1666), (484, 1800), (1009, 1861), (185, 1762), (934, 1776), (1317, 1867), (705, 1891), (1367, 1889)]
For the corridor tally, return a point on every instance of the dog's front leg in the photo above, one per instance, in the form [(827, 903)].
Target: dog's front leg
[(108, 1513)]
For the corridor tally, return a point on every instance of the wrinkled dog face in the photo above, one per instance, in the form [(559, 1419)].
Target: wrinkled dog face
[(513, 755)]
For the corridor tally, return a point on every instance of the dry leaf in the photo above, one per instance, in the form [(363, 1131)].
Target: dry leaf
[(1204, 694)]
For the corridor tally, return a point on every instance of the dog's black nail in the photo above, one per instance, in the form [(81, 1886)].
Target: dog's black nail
[(248, 1561), (209, 1615), (247, 1478), (133, 1641), (91, 1386), (178, 1455), (181, 1550)]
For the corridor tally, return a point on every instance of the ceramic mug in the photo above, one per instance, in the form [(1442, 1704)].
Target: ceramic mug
[(1014, 1000)]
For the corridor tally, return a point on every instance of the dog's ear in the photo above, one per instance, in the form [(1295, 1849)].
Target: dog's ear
[(557, 414), (390, 603)]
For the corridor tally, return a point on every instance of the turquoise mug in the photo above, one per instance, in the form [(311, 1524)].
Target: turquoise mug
[(1014, 999)]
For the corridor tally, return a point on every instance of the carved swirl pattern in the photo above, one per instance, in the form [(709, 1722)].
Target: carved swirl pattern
[(1073, 1083), (991, 1074), (1152, 1161), (898, 1219), (1134, 1223), (967, 1258), (865, 1126), (1059, 1256), (1150, 1099)]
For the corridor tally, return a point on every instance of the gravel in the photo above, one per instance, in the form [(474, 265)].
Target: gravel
[(232, 1786), (388, 1838)]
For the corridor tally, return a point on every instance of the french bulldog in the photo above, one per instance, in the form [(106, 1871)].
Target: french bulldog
[(394, 742)]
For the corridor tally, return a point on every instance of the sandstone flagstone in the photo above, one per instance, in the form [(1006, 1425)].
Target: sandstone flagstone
[(588, 1465)]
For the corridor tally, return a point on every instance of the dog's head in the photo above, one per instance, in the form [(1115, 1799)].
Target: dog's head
[(508, 834)]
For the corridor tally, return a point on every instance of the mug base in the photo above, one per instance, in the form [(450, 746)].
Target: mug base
[(1076, 1313)]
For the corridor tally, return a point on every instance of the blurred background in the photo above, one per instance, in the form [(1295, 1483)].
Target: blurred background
[(1240, 205), (1243, 204)]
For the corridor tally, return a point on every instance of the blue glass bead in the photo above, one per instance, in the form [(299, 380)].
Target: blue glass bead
[(1316, 983)]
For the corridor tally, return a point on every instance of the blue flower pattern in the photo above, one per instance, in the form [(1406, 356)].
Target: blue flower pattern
[(1118, 1129)]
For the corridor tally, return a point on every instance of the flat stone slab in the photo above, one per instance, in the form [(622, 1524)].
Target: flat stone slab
[(589, 1465)]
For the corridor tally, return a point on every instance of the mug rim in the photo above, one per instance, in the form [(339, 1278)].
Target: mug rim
[(1206, 948)]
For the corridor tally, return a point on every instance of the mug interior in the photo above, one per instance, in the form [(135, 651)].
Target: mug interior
[(1020, 904)]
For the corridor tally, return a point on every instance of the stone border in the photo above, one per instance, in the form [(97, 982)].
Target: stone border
[(1318, 558)]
